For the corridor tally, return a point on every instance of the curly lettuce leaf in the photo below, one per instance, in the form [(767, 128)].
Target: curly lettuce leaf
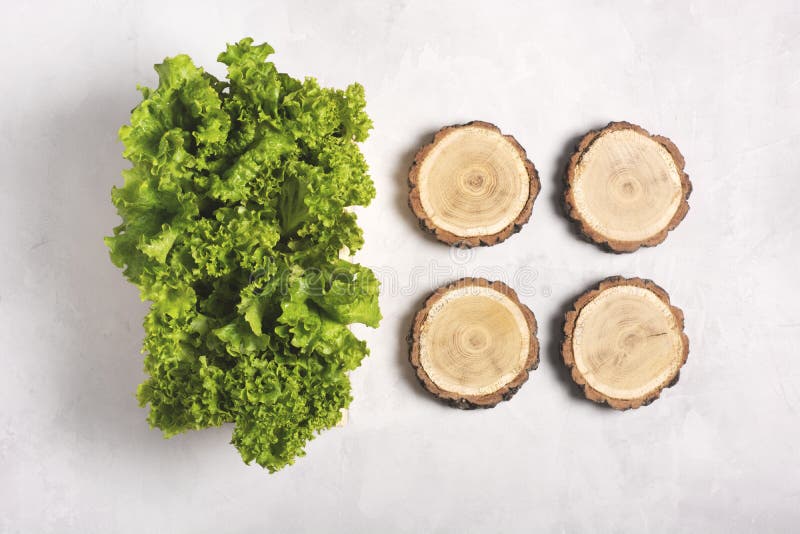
[(233, 216)]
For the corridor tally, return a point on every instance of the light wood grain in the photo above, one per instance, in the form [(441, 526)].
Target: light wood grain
[(626, 188), (472, 185), (473, 343), (624, 342)]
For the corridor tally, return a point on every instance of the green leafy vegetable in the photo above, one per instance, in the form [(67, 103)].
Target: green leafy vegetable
[(233, 216)]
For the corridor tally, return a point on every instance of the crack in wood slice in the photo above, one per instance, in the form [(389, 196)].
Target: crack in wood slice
[(624, 342), (473, 343), (472, 185), (626, 188)]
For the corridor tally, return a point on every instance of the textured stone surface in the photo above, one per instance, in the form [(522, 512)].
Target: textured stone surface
[(717, 453)]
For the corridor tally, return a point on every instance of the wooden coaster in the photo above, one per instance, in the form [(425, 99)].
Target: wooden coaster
[(472, 185), (624, 342), (626, 188), (473, 343)]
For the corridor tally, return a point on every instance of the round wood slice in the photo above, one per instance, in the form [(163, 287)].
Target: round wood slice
[(472, 185), (473, 343), (624, 342), (626, 188)]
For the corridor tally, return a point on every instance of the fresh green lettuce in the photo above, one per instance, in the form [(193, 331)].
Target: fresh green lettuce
[(233, 216)]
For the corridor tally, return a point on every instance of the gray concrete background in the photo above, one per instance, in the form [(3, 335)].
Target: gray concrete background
[(717, 453)]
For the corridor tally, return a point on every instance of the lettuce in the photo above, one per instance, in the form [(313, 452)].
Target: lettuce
[(233, 216)]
